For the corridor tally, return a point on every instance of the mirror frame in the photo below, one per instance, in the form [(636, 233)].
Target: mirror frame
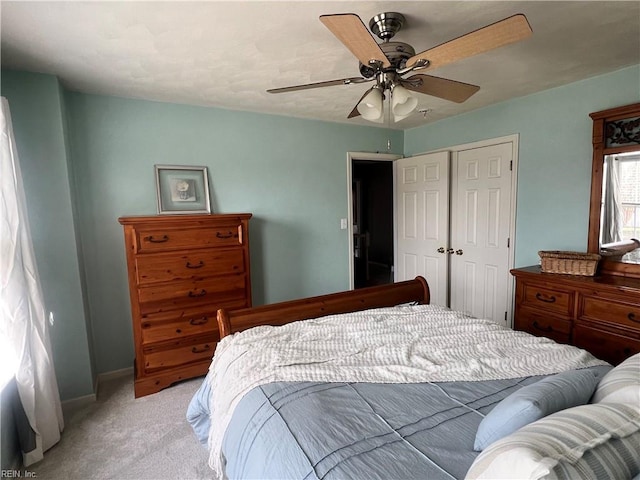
[(600, 149)]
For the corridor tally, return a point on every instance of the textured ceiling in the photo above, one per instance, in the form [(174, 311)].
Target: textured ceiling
[(227, 54)]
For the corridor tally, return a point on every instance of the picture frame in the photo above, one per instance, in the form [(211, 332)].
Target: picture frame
[(182, 189)]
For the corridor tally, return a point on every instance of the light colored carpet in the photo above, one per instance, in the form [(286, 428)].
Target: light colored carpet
[(119, 437)]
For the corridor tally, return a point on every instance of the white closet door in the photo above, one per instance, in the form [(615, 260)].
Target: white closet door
[(422, 213), (481, 206)]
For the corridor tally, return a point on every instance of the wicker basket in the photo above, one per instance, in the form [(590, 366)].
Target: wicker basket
[(569, 263)]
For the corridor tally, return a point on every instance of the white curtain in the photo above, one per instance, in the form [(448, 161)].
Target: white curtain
[(23, 319), (610, 230)]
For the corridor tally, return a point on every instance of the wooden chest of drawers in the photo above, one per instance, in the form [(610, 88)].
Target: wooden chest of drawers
[(182, 268), (599, 314)]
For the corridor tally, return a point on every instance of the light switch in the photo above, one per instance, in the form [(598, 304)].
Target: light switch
[(343, 224)]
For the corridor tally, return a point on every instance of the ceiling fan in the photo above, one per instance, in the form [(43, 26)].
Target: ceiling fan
[(388, 63)]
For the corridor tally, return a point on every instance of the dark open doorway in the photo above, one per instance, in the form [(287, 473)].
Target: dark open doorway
[(372, 222)]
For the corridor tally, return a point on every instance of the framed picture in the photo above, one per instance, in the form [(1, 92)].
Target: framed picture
[(182, 189)]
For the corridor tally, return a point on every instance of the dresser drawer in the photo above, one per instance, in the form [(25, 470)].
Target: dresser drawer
[(554, 299), (214, 291), (164, 327), (162, 267), (610, 311), (175, 357), (543, 325), (157, 239), (605, 345)]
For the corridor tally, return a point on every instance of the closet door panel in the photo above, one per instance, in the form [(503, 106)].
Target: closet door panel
[(480, 216), (422, 200)]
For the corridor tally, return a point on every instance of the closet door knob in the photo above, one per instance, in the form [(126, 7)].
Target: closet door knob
[(440, 250), (450, 251), (459, 251)]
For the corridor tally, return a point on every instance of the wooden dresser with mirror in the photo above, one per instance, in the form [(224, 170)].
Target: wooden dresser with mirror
[(602, 313)]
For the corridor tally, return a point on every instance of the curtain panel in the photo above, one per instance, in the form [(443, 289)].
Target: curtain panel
[(23, 320), (611, 228)]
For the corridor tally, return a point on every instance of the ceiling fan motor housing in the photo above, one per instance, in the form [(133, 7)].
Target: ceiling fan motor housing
[(397, 52)]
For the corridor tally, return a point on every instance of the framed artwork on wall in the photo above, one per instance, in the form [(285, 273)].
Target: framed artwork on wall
[(182, 189)]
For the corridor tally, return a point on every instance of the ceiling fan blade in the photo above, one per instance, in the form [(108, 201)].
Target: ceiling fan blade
[(510, 30), (330, 83), (451, 90), (350, 30)]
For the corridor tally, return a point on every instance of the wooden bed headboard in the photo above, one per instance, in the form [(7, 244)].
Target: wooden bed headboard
[(231, 321)]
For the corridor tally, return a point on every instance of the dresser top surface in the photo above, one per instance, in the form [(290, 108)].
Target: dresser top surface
[(167, 219), (610, 281)]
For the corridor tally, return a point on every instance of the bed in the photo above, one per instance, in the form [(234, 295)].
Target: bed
[(377, 383)]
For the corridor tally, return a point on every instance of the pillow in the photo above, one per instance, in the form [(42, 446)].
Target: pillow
[(620, 385), (589, 441), (535, 401)]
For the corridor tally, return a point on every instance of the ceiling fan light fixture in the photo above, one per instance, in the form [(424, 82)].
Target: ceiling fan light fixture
[(402, 102), (370, 107)]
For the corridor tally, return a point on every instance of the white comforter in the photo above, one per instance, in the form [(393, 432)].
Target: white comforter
[(408, 344)]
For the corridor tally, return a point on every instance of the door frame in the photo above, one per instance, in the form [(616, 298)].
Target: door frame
[(351, 156), (514, 140)]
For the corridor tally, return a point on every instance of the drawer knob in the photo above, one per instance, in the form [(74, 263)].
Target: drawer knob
[(162, 239), (201, 293), (632, 317), (545, 298), (221, 235), (200, 264), (541, 328), (200, 350), (199, 321)]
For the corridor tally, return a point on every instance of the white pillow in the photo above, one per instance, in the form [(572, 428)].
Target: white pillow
[(589, 441), (620, 385)]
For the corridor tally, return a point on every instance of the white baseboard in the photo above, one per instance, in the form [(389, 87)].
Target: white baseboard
[(69, 406), (103, 377)]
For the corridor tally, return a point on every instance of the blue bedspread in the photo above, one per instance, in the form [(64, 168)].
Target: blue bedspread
[(304, 430)]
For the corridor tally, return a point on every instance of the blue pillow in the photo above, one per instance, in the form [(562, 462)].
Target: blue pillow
[(533, 402)]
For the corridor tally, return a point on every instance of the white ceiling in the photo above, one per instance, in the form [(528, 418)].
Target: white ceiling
[(227, 54)]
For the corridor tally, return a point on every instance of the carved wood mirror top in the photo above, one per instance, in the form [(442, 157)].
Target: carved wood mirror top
[(616, 135)]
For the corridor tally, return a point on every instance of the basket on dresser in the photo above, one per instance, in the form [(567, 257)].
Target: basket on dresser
[(569, 263)]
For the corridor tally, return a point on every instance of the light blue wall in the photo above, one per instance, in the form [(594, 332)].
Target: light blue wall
[(290, 173), (554, 162), (37, 115)]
